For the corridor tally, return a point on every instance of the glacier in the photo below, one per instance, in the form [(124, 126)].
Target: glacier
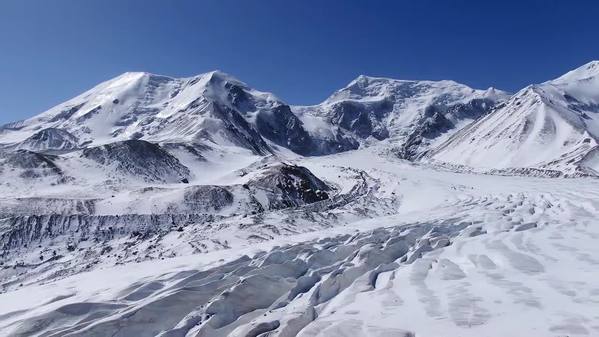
[(160, 206)]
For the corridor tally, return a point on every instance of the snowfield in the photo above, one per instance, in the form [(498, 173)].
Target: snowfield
[(461, 255), (202, 207)]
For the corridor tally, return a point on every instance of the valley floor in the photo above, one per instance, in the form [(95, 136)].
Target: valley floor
[(409, 250)]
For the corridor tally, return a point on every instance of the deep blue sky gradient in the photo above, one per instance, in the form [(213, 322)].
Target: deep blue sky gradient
[(52, 50)]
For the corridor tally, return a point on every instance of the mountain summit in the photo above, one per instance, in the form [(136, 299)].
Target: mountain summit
[(410, 114), (213, 109)]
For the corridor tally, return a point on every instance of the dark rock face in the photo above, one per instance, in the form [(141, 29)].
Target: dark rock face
[(33, 164), (473, 109), (67, 113), (290, 186), (36, 228), (361, 118), (433, 123), (46, 205), (89, 114), (283, 128), (239, 130), (51, 139), (341, 143), (206, 198), (437, 120), (12, 126), (581, 107), (239, 98), (193, 149), (140, 159)]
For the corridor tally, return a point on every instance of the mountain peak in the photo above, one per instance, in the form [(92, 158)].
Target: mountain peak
[(584, 72), (368, 78), (218, 76), (370, 87), (211, 76), (218, 73), (136, 75)]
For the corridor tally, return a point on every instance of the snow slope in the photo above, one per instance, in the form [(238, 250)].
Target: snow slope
[(553, 125)]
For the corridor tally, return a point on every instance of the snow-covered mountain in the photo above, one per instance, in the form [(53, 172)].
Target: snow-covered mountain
[(156, 206), (140, 128), (411, 114), (213, 109), (552, 125)]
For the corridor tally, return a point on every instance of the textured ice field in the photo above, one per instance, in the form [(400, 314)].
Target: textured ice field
[(459, 255)]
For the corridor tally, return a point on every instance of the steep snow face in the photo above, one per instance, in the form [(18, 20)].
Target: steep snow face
[(212, 108), (412, 113), (553, 125)]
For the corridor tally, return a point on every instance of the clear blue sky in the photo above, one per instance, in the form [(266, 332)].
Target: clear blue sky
[(300, 50)]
